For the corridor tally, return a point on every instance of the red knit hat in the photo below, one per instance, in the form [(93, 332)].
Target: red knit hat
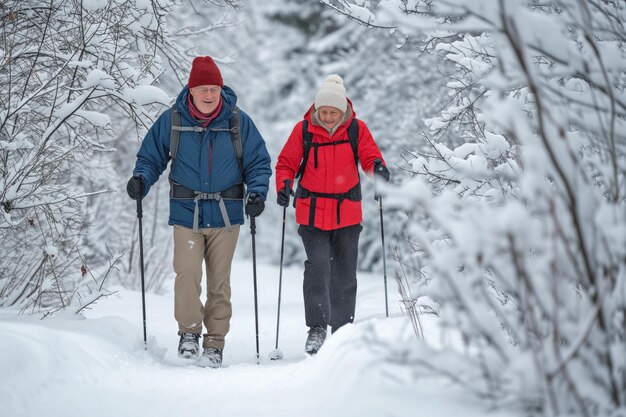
[(204, 72)]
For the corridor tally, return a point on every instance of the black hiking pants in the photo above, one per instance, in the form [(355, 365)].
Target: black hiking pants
[(330, 275)]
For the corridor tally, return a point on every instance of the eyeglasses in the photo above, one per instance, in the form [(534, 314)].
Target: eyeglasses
[(204, 90)]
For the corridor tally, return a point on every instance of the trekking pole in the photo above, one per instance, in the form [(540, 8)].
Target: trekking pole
[(379, 197), (143, 291), (277, 354), (382, 236), (256, 308)]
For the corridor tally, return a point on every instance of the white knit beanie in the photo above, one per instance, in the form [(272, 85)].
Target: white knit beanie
[(332, 93)]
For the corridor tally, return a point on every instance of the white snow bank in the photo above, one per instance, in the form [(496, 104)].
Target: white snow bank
[(65, 366)]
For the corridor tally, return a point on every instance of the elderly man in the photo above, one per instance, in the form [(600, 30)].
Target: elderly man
[(216, 152)]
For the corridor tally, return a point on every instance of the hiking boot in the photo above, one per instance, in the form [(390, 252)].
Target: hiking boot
[(317, 335), (188, 345), (211, 357)]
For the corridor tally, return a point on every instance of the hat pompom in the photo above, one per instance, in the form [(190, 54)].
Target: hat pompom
[(334, 78)]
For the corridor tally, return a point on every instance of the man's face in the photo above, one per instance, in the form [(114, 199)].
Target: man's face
[(206, 97), (329, 116)]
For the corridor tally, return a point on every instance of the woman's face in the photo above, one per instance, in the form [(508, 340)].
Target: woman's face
[(206, 97), (329, 116)]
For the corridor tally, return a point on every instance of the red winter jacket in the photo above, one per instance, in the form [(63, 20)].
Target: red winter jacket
[(336, 172)]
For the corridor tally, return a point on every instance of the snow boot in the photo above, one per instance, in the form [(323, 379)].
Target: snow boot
[(211, 357), (317, 335), (188, 345)]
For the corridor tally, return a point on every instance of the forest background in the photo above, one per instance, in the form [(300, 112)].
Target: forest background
[(502, 121)]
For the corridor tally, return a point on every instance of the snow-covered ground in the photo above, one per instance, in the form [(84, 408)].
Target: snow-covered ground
[(67, 366)]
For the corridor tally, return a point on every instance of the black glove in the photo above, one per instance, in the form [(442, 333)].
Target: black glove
[(135, 187), (284, 195), (381, 170), (254, 205)]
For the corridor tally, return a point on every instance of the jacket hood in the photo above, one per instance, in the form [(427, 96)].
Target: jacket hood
[(316, 126), (229, 101)]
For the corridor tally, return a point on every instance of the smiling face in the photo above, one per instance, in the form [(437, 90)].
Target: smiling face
[(329, 116), (206, 97)]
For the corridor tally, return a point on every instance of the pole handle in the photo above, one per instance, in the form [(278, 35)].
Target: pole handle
[(139, 208), (376, 193), (252, 225), (287, 187)]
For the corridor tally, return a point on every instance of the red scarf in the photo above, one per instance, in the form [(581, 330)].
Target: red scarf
[(204, 119)]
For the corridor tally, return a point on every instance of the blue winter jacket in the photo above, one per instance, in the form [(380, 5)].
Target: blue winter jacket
[(205, 162)]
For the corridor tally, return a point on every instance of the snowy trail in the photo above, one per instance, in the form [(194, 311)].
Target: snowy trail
[(98, 366)]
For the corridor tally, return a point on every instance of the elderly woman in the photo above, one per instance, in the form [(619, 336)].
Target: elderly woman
[(323, 152)]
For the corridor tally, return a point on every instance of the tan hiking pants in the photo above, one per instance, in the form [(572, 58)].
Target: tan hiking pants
[(216, 246)]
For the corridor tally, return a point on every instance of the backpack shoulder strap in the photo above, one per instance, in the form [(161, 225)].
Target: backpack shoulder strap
[(307, 139), (353, 136), (235, 135), (174, 133), (176, 128)]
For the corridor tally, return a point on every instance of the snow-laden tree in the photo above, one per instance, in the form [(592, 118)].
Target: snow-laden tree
[(71, 73), (520, 227)]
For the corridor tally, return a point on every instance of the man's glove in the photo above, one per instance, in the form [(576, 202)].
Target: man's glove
[(284, 194), (381, 170), (135, 187), (254, 205)]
